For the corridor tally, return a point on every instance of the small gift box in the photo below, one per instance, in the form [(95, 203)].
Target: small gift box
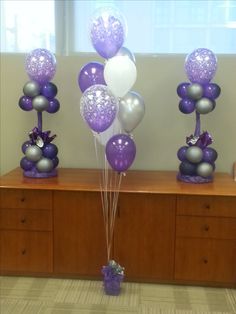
[(113, 276)]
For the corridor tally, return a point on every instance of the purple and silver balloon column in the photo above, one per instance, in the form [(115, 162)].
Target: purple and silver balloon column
[(40, 160), (197, 157)]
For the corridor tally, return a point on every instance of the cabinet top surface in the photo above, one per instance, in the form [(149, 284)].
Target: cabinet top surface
[(136, 181)]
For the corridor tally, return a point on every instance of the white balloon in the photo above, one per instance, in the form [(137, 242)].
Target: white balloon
[(103, 137), (120, 75)]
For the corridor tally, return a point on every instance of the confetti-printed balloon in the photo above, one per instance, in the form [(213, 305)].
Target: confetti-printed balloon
[(40, 65), (98, 107), (201, 65), (107, 31)]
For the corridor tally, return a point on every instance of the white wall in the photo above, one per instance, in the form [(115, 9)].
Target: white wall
[(158, 137)]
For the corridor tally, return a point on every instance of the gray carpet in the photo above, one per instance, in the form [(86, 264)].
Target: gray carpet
[(21, 295)]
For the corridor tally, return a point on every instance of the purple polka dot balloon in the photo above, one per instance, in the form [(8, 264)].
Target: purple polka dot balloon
[(201, 65), (40, 65), (107, 31), (98, 107)]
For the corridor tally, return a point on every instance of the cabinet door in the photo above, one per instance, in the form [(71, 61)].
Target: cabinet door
[(144, 236), (26, 251), (79, 237), (205, 260)]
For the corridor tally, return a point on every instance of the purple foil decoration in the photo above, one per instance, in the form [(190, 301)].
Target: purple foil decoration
[(202, 141), (40, 138), (113, 276)]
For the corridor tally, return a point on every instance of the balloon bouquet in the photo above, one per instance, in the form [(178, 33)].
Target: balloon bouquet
[(112, 111), (197, 158), (40, 160)]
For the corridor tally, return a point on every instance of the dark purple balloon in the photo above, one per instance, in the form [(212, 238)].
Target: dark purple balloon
[(91, 74), (53, 106), (187, 168), (25, 103), (50, 151), (25, 145), (55, 162), (26, 164), (209, 155), (211, 91), (182, 153), (182, 90), (49, 90), (186, 105), (120, 152)]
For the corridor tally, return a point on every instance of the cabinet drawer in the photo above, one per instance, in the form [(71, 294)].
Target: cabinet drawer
[(206, 227), (33, 199), (220, 206), (205, 260), (26, 219), (27, 251)]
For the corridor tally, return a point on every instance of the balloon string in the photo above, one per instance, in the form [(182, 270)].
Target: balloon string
[(109, 182), (102, 193)]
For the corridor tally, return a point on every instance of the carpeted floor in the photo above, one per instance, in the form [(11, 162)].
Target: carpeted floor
[(20, 295)]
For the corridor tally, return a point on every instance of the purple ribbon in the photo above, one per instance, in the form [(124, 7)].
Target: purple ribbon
[(40, 138), (202, 141), (113, 271)]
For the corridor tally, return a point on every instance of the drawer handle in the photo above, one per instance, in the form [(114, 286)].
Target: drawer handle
[(23, 220), (206, 228), (205, 260), (22, 199), (207, 206), (23, 252)]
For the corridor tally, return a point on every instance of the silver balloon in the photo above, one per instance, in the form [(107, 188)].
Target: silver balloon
[(131, 111), (31, 89), (194, 154), (195, 91), (33, 153), (44, 165), (126, 53), (204, 169), (40, 103), (204, 105)]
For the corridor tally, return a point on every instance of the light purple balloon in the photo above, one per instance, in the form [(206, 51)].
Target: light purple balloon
[(91, 74), (120, 152), (98, 107), (107, 32), (201, 65), (40, 65)]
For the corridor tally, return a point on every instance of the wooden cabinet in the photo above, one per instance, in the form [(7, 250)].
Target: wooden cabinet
[(165, 230), (144, 236), (79, 237), (26, 231), (206, 239)]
